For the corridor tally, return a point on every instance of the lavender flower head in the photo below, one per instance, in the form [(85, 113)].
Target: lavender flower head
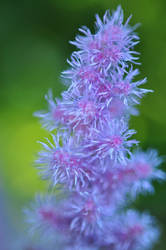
[(90, 154)]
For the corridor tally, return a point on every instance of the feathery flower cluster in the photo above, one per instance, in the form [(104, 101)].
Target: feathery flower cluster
[(90, 156)]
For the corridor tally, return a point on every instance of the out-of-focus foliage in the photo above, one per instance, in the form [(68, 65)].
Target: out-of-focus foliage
[(33, 51)]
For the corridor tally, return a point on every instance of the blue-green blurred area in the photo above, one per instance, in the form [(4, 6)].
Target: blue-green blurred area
[(33, 51)]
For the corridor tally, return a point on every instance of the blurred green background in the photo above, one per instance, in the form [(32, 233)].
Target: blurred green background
[(33, 51)]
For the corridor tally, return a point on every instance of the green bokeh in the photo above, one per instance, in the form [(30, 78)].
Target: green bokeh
[(33, 51)]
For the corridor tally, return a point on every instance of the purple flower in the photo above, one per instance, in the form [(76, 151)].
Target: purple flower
[(86, 212), (52, 118), (131, 230), (64, 164), (142, 169), (82, 74), (111, 142), (91, 151), (112, 44), (46, 216)]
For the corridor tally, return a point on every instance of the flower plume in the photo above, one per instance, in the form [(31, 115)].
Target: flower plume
[(90, 156)]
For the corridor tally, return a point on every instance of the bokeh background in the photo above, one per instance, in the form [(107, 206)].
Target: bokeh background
[(34, 46)]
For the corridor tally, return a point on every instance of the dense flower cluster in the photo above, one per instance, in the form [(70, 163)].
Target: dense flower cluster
[(90, 154)]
